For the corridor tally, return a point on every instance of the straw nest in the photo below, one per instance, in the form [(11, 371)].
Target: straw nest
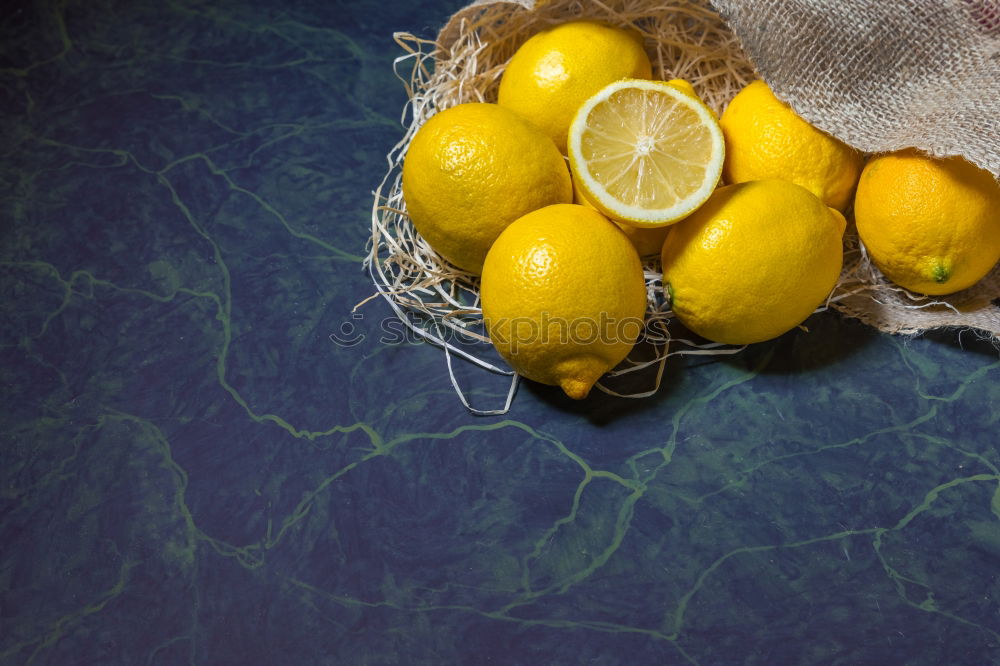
[(685, 39)]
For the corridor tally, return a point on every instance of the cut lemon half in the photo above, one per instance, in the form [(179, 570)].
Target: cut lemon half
[(646, 152)]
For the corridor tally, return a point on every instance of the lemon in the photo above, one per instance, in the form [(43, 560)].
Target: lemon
[(930, 225), (765, 139), (563, 296), (753, 262), (646, 241), (685, 87), (645, 152), (473, 169), (557, 69)]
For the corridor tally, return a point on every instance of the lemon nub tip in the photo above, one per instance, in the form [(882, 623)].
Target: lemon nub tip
[(578, 389), (940, 274)]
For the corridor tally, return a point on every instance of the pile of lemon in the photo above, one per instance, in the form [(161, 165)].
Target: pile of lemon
[(558, 242)]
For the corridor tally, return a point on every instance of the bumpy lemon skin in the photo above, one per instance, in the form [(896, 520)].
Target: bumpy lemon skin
[(766, 139), (557, 69), (930, 225), (753, 262), (473, 169), (563, 296)]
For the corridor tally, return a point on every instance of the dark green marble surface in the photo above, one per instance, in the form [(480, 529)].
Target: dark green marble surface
[(193, 473)]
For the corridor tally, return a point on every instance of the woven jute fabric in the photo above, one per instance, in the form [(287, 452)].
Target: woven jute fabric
[(878, 75), (883, 75)]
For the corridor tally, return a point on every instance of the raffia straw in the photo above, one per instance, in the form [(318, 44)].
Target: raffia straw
[(685, 39)]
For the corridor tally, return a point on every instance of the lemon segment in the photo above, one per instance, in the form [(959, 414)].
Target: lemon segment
[(646, 152)]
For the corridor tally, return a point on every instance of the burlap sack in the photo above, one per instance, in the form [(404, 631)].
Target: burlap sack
[(879, 75)]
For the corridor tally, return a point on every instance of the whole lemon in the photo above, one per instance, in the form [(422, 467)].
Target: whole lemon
[(766, 139), (563, 296), (753, 262), (473, 169), (930, 225), (557, 69)]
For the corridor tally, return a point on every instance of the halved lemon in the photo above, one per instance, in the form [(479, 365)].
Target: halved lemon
[(646, 152)]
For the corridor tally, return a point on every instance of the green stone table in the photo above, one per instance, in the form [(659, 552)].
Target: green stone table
[(194, 473)]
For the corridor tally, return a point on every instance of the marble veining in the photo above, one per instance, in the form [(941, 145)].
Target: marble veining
[(194, 472)]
